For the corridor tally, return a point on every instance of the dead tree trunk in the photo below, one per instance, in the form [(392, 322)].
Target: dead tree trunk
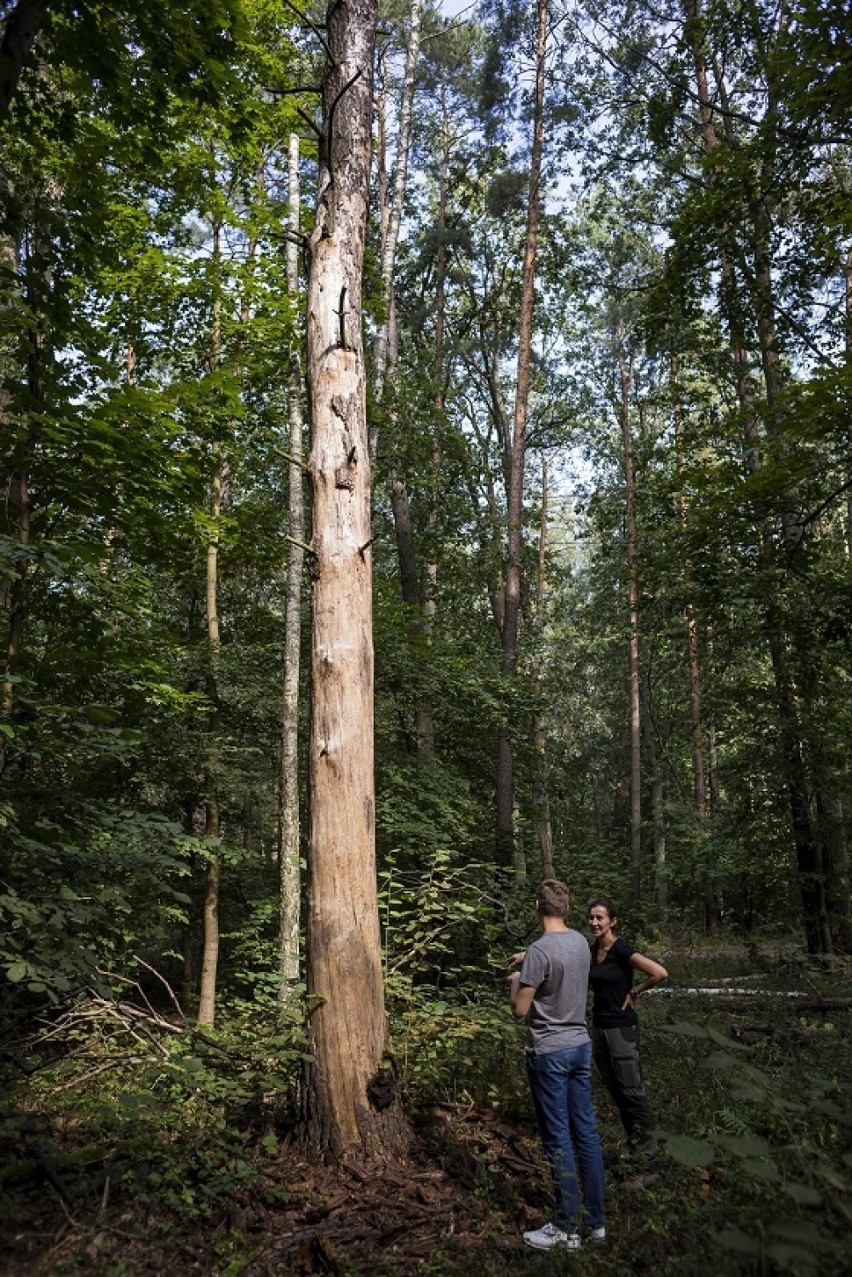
[(290, 836), (352, 1106)]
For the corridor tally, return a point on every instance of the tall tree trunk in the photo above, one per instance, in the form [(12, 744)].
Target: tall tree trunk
[(392, 197), (290, 836), (212, 830), (507, 843), (24, 429), (352, 1104), (541, 795), (625, 376), (710, 904), (658, 811)]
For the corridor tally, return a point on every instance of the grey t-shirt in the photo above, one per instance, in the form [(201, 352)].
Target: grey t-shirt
[(557, 967)]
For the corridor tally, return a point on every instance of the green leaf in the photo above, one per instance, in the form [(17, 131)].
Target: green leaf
[(687, 1028), (689, 1151), (743, 1145), (17, 971), (797, 1230), (804, 1194), (788, 1255), (721, 1061), (734, 1239), (758, 1169), (721, 1040)]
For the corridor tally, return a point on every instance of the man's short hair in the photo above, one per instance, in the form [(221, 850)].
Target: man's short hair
[(552, 898)]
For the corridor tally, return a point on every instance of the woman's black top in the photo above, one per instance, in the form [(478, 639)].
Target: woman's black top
[(610, 982)]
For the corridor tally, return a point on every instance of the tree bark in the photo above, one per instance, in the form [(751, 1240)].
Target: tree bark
[(352, 1106)]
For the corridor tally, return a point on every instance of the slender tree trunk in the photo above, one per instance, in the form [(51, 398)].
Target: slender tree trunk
[(212, 830), (625, 376), (658, 811), (847, 280), (290, 838), (710, 904), (507, 843), (392, 200), (391, 224), (17, 365), (352, 1106), (541, 796)]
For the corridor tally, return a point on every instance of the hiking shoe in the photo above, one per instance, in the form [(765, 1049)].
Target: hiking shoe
[(598, 1235), (550, 1236)]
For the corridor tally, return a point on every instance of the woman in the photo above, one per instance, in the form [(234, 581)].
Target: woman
[(615, 1027)]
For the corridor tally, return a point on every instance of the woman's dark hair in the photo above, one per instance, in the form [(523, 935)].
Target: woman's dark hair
[(603, 902)]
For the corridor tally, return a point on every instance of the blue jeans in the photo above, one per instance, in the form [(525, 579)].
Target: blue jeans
[(561, 1085)]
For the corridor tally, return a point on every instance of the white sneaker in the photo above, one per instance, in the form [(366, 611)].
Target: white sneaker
[(550, 1236), (598, 1234)]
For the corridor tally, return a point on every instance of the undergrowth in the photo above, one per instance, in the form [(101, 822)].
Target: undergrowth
[(171, 1143)]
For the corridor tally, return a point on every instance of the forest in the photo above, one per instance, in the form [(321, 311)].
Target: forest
[(427, 469)]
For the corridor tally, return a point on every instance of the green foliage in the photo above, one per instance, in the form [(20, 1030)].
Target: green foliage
[(444, 932)]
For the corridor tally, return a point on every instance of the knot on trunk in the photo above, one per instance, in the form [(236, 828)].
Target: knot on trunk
[(381, 1089)]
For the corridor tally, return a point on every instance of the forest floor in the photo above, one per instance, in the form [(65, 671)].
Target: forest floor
[(754, 1099)]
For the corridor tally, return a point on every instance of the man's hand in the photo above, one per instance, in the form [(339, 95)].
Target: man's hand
[(517, 958), (520, 996)]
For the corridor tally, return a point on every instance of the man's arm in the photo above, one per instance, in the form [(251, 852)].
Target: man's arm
[(520, 995)]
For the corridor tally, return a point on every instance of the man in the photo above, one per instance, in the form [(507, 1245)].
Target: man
[(551, 990)]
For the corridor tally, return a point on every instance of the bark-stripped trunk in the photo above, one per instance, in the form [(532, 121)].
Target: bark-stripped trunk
[(508, 847), (625, 377), (351, 1101), (289, 846)]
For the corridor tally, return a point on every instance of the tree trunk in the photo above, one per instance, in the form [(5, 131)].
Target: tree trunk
[(387, 355), (541, 796), (710, 903), (507, 844), (658, 811), (290, 836), (210, 942), (352, 1106), (634, 699)]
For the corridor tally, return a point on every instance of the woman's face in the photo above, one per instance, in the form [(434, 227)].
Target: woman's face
[(600, 923)]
